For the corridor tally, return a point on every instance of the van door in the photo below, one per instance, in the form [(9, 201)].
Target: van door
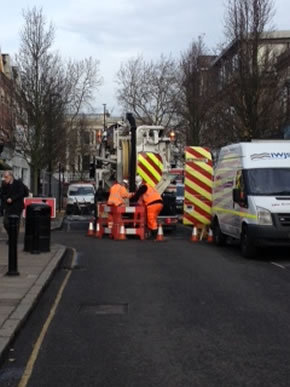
[(239, 202)]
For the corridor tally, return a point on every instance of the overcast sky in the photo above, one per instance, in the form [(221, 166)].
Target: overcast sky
[(115, 30)]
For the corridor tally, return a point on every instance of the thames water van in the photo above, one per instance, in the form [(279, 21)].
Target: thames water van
[(251, 195)]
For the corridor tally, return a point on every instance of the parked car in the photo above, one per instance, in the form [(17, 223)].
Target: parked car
[(80, 199)]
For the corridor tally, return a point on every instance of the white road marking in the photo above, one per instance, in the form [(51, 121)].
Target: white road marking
[(278, 264)]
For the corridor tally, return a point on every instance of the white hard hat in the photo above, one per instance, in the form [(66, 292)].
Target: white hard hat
[(138, 180), (125, 181)]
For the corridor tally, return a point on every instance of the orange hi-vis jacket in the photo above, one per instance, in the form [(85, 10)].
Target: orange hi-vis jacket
[(117, 195), (151, 195)]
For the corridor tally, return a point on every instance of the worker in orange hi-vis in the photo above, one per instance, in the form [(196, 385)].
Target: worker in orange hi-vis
[(152, 201), (117, 196)]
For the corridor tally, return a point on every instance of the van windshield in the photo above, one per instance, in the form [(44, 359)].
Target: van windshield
[(268, 181), (81, 191)]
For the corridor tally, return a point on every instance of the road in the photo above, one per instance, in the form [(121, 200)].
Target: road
[(170, 314)]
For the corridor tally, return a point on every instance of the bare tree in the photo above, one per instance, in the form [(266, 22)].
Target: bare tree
[(150, 90), (251, 88), (194, 100), (50, 89)]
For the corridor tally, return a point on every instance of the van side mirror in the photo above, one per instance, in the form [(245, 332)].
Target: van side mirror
[(239, 197)]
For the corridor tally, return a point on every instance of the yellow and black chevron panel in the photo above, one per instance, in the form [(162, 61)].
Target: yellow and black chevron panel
[(198, 183), (150, 167)]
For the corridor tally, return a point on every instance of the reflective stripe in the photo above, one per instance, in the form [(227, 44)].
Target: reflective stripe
[(198, 182), (150, 167), (233, 212), (130, 210)]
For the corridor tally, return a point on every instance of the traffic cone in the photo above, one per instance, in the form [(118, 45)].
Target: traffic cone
[(210, 236), (122, 235), (98, 231), (160, 236), (194, 237), (91, 229)]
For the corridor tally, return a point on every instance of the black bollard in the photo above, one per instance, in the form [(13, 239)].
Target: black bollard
[(12, 248)]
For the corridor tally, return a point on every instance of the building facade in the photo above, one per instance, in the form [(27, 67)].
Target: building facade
[(10, 155), (85, 135), (230, 87)]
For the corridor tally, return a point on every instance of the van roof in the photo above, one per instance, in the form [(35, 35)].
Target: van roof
[(260, 154)]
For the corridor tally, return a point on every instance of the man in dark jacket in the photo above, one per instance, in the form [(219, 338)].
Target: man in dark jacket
[(12, 198)]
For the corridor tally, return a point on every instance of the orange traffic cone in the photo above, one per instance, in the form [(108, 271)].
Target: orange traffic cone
[(160, 236), (194, 237), (98, 231), (91, 229), (122, 235), (210, 236)]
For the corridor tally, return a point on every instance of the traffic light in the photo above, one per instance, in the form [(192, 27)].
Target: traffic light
[(92, 170)]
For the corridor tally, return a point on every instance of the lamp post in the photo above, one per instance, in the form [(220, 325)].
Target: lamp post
[(53, 102), (59, 187), (104, 115)]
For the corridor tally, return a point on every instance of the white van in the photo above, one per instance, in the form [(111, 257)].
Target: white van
[(251, 195), (80, 199)]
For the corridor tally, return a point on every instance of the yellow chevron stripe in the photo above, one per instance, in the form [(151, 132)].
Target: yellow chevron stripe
[(199, 189), (145, 177), (155, 159), (208, 168), (204, 152), (200, 219), (192, 199), (147, 165), (199, 176)]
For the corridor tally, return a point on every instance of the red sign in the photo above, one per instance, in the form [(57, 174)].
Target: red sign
[(49, 201)]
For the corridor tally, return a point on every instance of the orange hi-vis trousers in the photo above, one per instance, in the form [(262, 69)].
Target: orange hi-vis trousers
[(152, 212)]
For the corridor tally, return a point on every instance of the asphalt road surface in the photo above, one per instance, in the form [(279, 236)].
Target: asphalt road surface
[(170, 314)]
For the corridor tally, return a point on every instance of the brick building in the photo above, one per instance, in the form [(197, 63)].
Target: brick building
[(9, 154), (221, 79)]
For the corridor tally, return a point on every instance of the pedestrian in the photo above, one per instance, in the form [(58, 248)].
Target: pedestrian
[(153, 204), (12, 199), (1, 200)]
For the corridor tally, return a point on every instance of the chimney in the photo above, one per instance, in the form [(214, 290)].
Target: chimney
[(7, 65)]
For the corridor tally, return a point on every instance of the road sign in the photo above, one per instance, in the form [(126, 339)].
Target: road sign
[(49, 201)]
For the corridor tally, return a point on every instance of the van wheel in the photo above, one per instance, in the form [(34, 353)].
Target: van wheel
[(218, 237), (247, 247)]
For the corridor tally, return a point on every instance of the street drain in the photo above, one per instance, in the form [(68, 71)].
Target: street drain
[(104, 309)]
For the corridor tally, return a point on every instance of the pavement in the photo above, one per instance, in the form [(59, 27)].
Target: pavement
[(19, 294)]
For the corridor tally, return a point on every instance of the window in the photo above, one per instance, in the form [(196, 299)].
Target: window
[(268, 181), (86, 138), (86, 162), (81, 191)]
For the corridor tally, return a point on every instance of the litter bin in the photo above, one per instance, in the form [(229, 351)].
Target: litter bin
[(37, 228)]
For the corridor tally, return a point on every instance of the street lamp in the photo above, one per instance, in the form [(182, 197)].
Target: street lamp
[(172, 136), (52, 100), (104, 115)]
